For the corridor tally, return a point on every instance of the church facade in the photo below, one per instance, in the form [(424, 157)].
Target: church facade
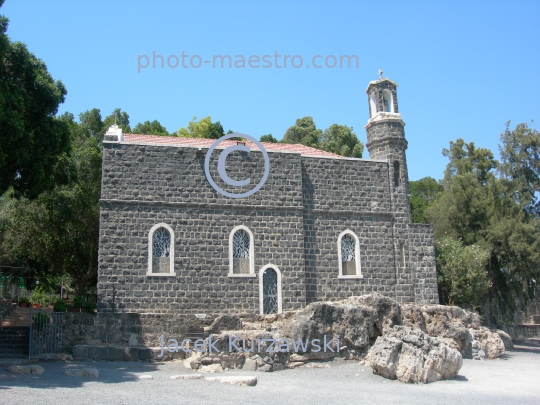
[(321, 228)]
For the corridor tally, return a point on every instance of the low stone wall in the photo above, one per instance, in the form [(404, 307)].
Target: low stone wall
[(525, 331), (122, 353), (127, 329)]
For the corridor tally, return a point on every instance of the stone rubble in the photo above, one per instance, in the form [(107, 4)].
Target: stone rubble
[(235, 380), (33, 369), (138, 377), (187, 377)]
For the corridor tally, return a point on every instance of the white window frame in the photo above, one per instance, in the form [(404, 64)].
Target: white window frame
[(150, 251), (261, 289), (357, 254), (251, 252)]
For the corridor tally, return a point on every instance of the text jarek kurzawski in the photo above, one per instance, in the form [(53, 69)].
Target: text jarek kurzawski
[(240, 345)]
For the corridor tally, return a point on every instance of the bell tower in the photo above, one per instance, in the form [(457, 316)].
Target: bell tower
[(386, 140)]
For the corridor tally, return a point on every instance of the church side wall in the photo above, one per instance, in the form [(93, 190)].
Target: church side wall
[(147, 185), (344, 195)]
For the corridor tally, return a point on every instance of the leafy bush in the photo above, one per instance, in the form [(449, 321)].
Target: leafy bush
[(461, 274), (78, 301), (91, 306), (60, 306), (40, 320), (38, 296), (24, 300)]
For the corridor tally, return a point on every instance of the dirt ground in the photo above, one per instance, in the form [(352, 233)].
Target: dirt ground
[(512, 379)]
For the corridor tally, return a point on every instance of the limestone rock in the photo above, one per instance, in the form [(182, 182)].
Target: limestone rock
[(212, 368), (138, 377), (507, 340), (442, 321), (356, 320), (490, 342), (187, 377), (33, 369), (412, 356), (249, 365), (235, 380), (265, 368), (83, 372)]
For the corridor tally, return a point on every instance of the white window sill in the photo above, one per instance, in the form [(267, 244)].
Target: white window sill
[(241, 275), (360, 276), (161, 274)]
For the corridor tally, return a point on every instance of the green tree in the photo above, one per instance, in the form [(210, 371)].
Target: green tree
[(196, 129), (268, 138), (341, 140), (150, 128), (90, 124), (303, 132), (422, 194), (204, 128), (57, 233), (461, 274), (488, 203), (520, 165), (467, 158), (215, 130), (32, 140)]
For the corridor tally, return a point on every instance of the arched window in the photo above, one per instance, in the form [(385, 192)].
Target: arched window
[(397, 174), (270, 301), (161, 251), (241, 257), (349, 255), (388, 104), (373, 104)]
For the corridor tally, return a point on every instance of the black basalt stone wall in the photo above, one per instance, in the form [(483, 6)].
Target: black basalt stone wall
[(295, 218)]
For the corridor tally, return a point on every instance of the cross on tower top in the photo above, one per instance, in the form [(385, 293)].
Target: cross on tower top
[(380, 73)]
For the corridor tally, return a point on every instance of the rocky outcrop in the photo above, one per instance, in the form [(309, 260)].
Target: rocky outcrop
[(413, 356), (357, 320), (490, 343), (507, 340), (448, 323), (411, 343)]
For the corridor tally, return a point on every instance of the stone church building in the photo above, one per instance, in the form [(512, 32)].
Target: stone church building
[(321, 228)]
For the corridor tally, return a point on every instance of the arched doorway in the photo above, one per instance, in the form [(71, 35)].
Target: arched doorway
[(270, 290)]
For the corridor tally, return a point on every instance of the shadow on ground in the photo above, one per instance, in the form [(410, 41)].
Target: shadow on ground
[(54, 377)]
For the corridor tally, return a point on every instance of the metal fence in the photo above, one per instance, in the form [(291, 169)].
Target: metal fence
[(45, 333)]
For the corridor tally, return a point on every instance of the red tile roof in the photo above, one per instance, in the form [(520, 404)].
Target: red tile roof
[(206, 143)]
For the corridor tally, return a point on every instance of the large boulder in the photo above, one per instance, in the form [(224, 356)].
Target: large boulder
[(448, 323), (490, 342), (356, 320), (506, 338), (413, 356)]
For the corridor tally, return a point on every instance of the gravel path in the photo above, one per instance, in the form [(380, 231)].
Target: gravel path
[(512, 379)]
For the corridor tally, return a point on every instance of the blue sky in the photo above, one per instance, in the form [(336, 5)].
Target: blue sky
[(463, 68)]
